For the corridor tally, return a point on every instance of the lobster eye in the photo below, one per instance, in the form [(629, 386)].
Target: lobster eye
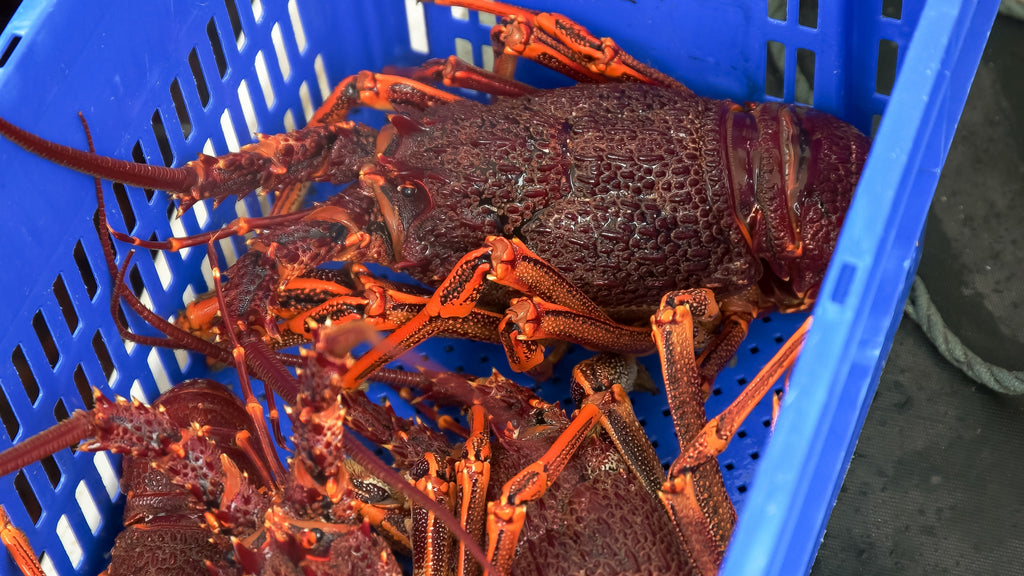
[(310, 538), (407, 190)]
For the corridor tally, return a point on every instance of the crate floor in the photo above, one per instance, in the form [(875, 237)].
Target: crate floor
[(934, 485)]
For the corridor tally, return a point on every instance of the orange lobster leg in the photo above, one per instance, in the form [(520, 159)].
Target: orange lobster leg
[(694, 494), (509, 263), (380, 92), (505, 517), (610, 372), (457, 73), (18, 547), (472, 476), (536, 319), (363, 90), (431, 539), (696, 501), (560, 44), (716, 434)]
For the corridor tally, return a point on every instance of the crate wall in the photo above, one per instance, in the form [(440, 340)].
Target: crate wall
[(161, 83)]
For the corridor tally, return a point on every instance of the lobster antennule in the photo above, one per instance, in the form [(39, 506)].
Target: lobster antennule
[(178, 180), (48, 442)]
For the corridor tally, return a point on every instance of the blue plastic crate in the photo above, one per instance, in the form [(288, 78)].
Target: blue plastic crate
[(132, 68)]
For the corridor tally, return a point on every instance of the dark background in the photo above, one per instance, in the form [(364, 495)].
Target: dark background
[(936, 485)]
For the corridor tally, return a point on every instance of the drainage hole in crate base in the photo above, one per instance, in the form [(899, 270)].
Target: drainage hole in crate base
[(67, 308), (197, 76), (157, 122), (248, 110), (742, 488), (135, 280), (9, 50), (53, 473), (805, 76), (236, 23), (263, 75), (729, 466), (27, 496), (60, 411), (88, 278), (808, 13), (297, 28), (106, 471), (178, 99), (7, 416), (885, 76), (83, 387), (754, 455), (741, 434), (741, 381), (767, 422), (103, 355), (87, 504), (416, 23), (277, 39), (125, 207), (717, 392), (69, 540), (218, 51), (892, 9), (45, 337), (28, 379), (464, 50), (775, 69)]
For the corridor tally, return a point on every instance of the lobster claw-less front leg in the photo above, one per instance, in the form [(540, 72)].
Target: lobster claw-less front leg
[(18, 547), (505, 516), (557, 309), (694, 494)]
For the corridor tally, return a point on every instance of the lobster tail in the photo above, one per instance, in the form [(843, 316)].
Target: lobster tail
[(142, 175)]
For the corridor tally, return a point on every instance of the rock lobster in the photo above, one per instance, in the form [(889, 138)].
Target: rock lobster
[(765, 246)]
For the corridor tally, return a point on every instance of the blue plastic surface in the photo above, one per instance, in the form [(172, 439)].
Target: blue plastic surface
[(117, 63)]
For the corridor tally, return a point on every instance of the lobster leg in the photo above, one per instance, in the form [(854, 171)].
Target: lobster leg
[(560, 44), (717, 433), (505, 517), (612, 373), (509, 263), (431, 540), (694, 494), (18, 547), (457, 73), (472, 476), (365, 89), (385, 92), (697, 500)]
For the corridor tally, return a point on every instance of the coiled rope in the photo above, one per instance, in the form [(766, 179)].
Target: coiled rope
[(922, 310)]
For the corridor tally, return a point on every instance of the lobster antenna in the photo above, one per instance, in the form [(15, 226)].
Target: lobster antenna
[(131, 173), (48, 442)]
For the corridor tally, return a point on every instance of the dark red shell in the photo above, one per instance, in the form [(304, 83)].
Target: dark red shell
[(624, 188), (596, 518)]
